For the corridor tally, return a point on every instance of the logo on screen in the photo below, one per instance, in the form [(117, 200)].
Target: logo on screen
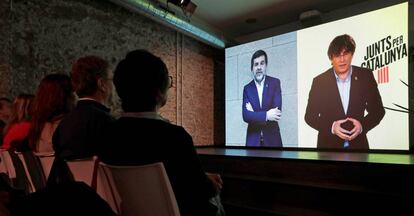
[(382, 53)]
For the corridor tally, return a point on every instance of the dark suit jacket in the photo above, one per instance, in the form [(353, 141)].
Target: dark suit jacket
[(80, 131), (272, 98), (325, 107), (77, 136), (138, 141)]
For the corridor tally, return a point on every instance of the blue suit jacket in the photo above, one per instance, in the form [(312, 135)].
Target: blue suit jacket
[(258, 125)]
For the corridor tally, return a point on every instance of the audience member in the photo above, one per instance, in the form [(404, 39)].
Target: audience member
[(79, 132), (18, 127), (5, 112), (5, 109), (54, 99), (142, 136)]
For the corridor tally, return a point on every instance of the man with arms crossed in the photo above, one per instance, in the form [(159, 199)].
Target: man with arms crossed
[(262, 105)]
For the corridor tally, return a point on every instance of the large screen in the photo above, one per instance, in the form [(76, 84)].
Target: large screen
[(292, 90)]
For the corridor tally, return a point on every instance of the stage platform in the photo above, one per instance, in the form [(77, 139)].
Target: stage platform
[(283, 182), (386, 158)]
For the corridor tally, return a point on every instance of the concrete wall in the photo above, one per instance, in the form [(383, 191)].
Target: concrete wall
[(44, 36), (4, 48)]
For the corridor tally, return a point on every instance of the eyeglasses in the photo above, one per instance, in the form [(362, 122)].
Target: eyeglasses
[(170, 81), (107, 78)]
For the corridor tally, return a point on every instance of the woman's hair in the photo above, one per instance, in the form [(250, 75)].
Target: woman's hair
[(20, 110), (54, 98)]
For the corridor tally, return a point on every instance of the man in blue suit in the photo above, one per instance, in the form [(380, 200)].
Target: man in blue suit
[(262, 105)]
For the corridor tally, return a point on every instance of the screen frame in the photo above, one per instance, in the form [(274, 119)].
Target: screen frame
[(361, 10)]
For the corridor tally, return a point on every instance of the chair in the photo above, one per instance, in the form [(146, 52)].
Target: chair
[(46, 160), (107, 190), (86, 170), (30, 170), (143, 190), (36, 167), (83, 169), (7, 164), (31, 186)]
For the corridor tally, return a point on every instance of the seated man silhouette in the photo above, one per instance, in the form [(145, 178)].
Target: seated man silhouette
[(79, 133), (141, 136)]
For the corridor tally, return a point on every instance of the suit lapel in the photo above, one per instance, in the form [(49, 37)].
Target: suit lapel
[(254, 96), (353, 93), (265, 93), (336, 97)]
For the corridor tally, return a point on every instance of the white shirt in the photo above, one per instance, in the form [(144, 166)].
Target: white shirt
[(259, 87), (344, 88)]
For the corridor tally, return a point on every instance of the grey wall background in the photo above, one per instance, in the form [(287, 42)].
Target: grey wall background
[(282, 61), (39, 37)]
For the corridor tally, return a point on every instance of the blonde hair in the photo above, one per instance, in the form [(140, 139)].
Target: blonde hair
[(20, 110)]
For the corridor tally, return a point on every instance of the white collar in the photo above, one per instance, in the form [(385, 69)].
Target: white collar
[(348, 77), (87, 98), (261, 83), (147, 115)]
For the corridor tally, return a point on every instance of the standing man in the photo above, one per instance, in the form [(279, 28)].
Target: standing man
[(262, 105), (339, 98)]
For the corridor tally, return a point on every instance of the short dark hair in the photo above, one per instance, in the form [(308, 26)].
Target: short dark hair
[(257, 54), (138, 78), (85, 74), (340, 43)]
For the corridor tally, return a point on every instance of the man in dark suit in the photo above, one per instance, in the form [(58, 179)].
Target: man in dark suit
[(262, 105), (339, 98), (80, 131)]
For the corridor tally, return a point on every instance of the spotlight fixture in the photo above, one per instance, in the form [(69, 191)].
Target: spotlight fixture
[(187, 6), (179, 3), (190, 8), (153, 10)]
